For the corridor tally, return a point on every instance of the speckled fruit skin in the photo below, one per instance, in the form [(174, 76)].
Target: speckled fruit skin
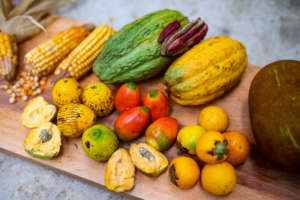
[(132, 123), (99, 142), (158, 104), (162, 133), (73, 119), (128, 96), (65, 91), (206, 71), (98, 97)]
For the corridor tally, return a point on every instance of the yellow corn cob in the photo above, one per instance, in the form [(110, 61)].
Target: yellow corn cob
[(43, 59), (8, 56), (80, 60)]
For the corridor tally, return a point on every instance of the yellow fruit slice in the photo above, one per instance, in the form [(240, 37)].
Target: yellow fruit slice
[(147, 159), (119, 172), (44, 141), (37, 112)]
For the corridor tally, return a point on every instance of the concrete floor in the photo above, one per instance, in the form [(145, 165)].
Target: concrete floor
[(270, 30)]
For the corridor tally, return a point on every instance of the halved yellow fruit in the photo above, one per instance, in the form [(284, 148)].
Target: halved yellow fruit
[(147, 159), (44, 141), (119, 172), (37, 111)]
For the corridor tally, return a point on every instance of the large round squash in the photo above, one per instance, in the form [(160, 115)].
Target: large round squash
[(206, 71), (274, 102)]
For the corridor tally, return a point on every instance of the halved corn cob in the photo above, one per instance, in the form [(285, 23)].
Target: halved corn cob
[(8, 56), (43, 59), (80, 60)]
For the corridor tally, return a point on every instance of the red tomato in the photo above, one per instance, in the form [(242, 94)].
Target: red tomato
[(128, 96), (158, 104), (132, 123)]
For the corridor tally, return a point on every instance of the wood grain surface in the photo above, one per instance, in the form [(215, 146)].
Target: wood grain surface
[(257, 179)]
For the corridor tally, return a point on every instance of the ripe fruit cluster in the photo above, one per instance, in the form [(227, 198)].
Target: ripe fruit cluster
[(218, 150)]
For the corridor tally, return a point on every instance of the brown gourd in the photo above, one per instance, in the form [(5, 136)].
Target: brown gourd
[(274, 104)]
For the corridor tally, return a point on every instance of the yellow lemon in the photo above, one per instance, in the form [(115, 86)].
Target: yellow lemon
[(213, 118), (218, 179)]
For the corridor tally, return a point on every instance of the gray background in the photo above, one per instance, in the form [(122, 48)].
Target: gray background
[(270, 30)]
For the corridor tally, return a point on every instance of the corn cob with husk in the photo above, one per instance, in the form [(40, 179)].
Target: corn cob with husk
[(80, 60), (8, 56), (43, 59), (8, 44), (18, 23)]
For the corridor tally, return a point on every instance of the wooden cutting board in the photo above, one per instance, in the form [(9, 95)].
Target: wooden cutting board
[(256, 178)]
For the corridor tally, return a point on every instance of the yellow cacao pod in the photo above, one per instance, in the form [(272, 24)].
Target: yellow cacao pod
[(206, 71)]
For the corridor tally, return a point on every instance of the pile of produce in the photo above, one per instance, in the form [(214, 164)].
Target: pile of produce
[(219, 150), (150, 116), (19, 23), (198, 72), (70, 53), (74, 117), (135, 52)]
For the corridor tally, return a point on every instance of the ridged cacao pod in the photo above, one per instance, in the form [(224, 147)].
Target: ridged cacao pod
[(177, 40), (206, 71)]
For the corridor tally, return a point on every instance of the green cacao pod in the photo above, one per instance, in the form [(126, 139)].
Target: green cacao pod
[(133, 53)]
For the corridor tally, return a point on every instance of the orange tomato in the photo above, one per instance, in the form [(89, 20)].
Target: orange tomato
[(238, 147)]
